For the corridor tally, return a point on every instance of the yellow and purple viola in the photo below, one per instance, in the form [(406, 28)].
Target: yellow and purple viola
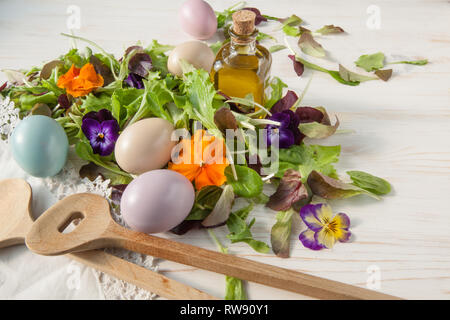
[(324, 230)]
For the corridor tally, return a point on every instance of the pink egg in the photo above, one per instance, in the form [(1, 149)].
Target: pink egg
[(198, 19), (157, 201)]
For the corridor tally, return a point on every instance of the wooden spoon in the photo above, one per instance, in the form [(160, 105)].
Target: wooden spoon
[(98, 230), (16, 220)]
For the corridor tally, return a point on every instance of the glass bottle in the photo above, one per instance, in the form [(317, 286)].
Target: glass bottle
[(241, 66)]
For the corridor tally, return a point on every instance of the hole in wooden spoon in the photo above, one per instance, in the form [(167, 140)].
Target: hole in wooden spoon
[(70, 224)]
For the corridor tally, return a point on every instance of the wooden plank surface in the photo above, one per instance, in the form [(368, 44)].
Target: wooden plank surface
[(401, 128)]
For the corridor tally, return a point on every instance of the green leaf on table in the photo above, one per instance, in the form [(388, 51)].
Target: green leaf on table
[(276, 48), (292, 21), (353, 76), (291, 31), (371, 62), (240, 231), (369, 182), (332, 73), (281, 232), (310, 46), (306, 158), (329, 188), (414, 62), (277, 92), (384, 75), (262, 36), (234, 289), (330, 29), (248, 184)]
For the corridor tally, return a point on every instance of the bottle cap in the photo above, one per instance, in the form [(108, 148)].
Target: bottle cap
[(244, 22)]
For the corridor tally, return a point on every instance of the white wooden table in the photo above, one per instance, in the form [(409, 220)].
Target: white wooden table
[(401, 128)]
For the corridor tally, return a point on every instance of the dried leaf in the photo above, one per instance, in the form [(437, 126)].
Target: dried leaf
[(330, 29), (102, 69), (329, 188), (140, 64), (298, 66), (290, 190), (281, 232), (47, 69), (317, 130), (310, 46), (224, 119), (384, 75), (348, 75), (285, 103)]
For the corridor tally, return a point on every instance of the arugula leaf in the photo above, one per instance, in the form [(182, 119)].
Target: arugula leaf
[(414, 62), (234, 289), (369, 182), (276, 48), (240, 232), (205, 201), (371, 62), (334, 74), (27, 101), (306, 158), (248, 184), (310, 46), (281, 232)]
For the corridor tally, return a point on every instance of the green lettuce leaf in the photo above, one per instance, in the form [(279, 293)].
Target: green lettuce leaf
[(371, 62), (281, 232), (369, 182), (277, 92), (353, 76), (310, 46)]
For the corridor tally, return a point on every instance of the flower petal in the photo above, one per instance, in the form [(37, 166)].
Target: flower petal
[(202, 180), (342, 235), (309, 217), (325, 237), (324, 214), (341, 221), (190, 171), (110, 129), (91, 128), (216, 173), (308, 240)]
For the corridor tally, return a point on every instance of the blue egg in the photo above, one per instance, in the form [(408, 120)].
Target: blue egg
[(40, 146)]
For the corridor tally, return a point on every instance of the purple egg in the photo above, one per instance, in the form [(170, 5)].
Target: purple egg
[(157, 201), (197, 18)]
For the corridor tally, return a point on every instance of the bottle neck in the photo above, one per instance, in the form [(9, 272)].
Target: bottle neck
[(243, 44)]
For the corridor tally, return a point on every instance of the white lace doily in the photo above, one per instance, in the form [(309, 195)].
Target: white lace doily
[(68, 182)]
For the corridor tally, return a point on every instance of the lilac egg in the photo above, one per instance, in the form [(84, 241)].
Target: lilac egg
[(198, 19), (157, 201)]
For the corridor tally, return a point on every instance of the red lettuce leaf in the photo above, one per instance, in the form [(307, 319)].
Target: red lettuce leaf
[(298, 66), (285, 103), (290, 190)]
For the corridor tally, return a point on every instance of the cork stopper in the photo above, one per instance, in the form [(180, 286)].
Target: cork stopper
[(244, 22)]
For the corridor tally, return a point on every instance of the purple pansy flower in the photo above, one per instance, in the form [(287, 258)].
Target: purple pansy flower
[(102, 131), (134, 80), (323, 229), (288, 132)]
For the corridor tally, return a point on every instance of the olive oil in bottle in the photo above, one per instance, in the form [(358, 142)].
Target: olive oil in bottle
[(241, 66)]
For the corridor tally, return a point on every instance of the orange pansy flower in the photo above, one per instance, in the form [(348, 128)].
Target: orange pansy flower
[(202, 160), (79, 82)]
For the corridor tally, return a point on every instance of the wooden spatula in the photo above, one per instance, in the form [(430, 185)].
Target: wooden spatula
[(16, 220), (97, 230)]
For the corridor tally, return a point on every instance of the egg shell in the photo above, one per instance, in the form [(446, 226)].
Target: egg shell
[(39, 145), (145, 145), (196, 53), (157, 201), (198, 19)]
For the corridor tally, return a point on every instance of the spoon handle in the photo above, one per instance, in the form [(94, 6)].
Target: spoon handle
[(239, 267), (139, 276)]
